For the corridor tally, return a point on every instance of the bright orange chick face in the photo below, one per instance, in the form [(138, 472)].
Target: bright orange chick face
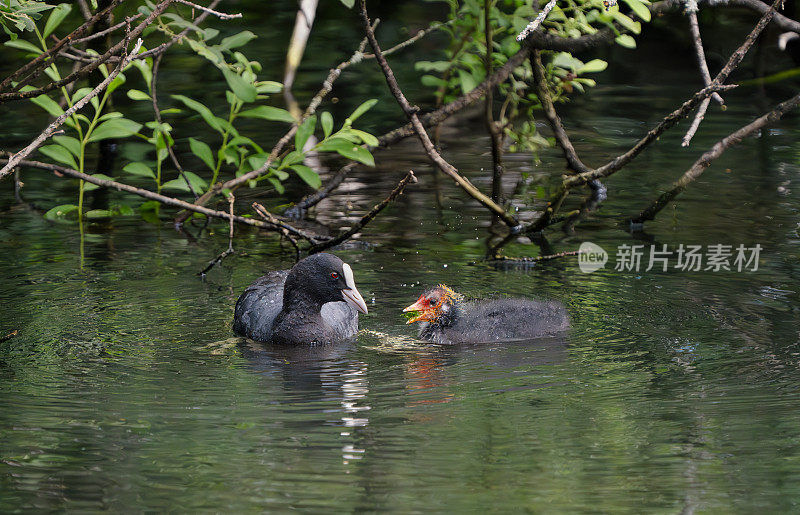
[(433, 305)]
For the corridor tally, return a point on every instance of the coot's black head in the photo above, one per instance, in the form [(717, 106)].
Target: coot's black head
[(319, 279), (437, 306)]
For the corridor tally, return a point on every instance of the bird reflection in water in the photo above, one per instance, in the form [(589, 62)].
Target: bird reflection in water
[(320, 373)]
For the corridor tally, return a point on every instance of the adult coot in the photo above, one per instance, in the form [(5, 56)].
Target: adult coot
[(314, 302), (447, 318)]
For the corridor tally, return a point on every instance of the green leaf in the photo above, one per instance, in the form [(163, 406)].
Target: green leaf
[(179, 184), (432, 82), (432, 66), (593, 66), (467, 81), (627, 22), (202, 110), (237, 40), (268, 86), (91, 187), (79, 94), (347, 149), (57, 15), (60, 154), (135, 94), (116, 128), (48, 104), (70, 143), (240, 87), (366, 137), (60, 211), (639, 9), (348, 3), (304, 132), (140, 169), (626, 40), (118, 81), (21, 44), (98, 213), (363, 108), (269, 113), (278, 186), (202, 151), (308, 175), (145, 67), (295, 156), (110, 116), (357, 153), (327, 123)]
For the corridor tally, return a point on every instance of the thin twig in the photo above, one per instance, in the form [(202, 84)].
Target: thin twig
[(283, 226), (298, 210), (532, 26), (732, 63), (411, 113), (227, 252), (694, 27), (89, 68), (16, 158), (698, 118), (705, 160), (43, 59), (409, 177), (553, 119), (269, 217), (221, 16), (106, 31)]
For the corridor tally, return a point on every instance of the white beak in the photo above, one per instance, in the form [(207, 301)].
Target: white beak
[(351, 295)]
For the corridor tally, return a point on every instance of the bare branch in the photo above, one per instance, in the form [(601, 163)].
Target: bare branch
[(411, 112), (705, 160), (731, 65), (221, 16), (694, 27), (89, 68), (532, 26), (286, 228), (44, 59), (410, 177), (549, 109)]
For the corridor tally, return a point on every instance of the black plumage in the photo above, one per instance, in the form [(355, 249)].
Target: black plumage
[(314, 302), (447, 318)]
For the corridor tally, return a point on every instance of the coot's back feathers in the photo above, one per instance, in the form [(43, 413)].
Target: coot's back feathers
[(314, 302)]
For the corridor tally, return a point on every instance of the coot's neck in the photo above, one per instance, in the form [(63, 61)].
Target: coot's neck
[(298, 298)]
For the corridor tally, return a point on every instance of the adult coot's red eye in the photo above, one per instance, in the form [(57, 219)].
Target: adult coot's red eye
[(447, 318), (301, 305)]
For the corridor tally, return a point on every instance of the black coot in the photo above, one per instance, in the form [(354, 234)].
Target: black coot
[(447, 318), (314, 302)]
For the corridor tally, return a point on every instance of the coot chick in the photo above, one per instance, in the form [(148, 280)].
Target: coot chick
[(447, 318), (314, 302)]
